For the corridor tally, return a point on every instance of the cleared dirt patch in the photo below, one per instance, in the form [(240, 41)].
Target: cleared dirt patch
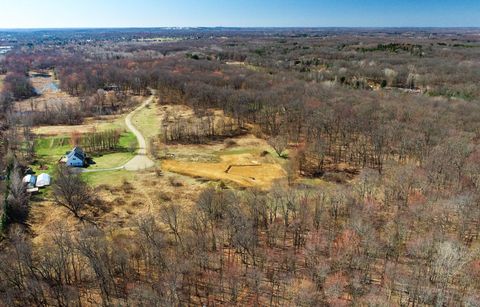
[(242, 169)]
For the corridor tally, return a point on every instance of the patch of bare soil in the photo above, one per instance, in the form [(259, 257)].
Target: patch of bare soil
[(242, 164)]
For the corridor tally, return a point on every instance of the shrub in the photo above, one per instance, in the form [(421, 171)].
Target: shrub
[(175, 182)]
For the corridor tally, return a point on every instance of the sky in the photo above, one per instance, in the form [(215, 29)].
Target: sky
[(238, 13)]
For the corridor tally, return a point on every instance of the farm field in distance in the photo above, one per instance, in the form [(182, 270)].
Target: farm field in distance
[(240, 167)]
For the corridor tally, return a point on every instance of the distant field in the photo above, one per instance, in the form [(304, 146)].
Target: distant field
[(91, 124), (50, 95)]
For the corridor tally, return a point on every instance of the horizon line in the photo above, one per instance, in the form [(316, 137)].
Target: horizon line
[(240, 27)]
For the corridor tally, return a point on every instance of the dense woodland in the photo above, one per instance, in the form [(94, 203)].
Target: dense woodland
[(392, 118)]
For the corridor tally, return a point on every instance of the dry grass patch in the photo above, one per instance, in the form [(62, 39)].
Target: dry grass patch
[(50, 96), (240, 161), (2, 77), (91, 124), (242, 169)]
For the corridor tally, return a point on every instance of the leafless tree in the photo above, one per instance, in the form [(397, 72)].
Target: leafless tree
[(279, 144), (71, 191)]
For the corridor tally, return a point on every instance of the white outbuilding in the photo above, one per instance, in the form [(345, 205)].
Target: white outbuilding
[(43, 180)]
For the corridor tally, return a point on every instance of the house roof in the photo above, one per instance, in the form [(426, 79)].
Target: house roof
[(29, 179), (77, 152)]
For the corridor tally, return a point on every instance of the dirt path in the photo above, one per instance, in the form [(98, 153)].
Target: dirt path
[(141, 161)]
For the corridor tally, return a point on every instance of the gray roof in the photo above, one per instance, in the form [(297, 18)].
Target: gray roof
[(77, 152)]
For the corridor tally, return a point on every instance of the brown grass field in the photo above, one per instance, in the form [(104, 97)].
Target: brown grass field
[(244, 161), (242, 173), (101, 123), (49, 97), (126, 197), (247, 165)]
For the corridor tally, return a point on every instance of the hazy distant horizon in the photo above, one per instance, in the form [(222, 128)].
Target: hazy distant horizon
[(246, 28), (91, 14)]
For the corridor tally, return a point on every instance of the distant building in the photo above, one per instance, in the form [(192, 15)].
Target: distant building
[(75, 158)]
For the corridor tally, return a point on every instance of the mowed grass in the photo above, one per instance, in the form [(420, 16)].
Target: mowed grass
[(111, 178), (148, 121), (111, 160), (49, 151), (128, 141)]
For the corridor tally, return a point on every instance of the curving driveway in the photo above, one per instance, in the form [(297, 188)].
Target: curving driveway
[(141, 161)]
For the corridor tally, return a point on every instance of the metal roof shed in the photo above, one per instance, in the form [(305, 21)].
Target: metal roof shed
[(43, 180)]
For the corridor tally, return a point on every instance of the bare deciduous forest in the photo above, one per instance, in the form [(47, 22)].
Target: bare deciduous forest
[(377, 133)]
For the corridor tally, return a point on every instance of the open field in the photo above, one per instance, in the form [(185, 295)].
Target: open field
[(50, 95), (44, 82), (244, 164), (100, 123), (244, 175)]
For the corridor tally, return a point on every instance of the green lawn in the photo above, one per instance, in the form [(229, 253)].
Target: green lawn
[(128, 141), (113, 178), (147, 121), (111, 160), (49, 151)]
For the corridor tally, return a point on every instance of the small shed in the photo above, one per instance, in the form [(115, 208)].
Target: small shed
[(30, 181), (43, 180)]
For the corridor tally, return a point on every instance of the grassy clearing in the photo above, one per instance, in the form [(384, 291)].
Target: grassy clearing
[(244, 169), (148, 121), (49, 151), (113, 178), (128, 141), (91, 124), (246, 164), (111, 160)]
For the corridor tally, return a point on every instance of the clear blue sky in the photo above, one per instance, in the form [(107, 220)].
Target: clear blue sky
[(251, 13)]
